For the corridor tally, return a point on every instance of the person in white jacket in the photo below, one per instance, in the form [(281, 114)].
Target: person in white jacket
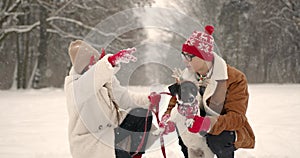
[(103, 116)]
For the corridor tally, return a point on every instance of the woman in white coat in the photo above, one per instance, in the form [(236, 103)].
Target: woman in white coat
[(98, 107)]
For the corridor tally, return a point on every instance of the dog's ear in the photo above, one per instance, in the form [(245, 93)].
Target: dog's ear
[(174, 89)]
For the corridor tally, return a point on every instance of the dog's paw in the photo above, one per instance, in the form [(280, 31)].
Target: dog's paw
[(189, 123), (158, 131)]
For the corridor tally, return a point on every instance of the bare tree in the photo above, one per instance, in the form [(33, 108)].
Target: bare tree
[(42, 31), (261, 38)]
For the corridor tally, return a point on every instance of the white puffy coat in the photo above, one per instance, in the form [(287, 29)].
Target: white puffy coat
[(92, 116)]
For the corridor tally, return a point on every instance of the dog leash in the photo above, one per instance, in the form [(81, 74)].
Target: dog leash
[(156, 113), (144, 134), (162, 142)]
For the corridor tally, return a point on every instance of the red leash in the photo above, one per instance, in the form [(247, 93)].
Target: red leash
[(161, 138), (162, 142), (144, 135), (156, 112)]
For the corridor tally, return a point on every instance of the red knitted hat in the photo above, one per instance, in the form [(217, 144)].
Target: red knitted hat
[(200, 44)]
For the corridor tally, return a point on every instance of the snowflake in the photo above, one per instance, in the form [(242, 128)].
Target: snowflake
[(204, 47)]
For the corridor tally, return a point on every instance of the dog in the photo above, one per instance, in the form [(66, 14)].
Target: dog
[(187, 94)]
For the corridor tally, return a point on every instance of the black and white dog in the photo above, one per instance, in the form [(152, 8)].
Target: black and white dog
[(188, 99)]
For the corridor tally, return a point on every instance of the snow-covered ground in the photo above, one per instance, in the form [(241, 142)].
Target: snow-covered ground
[(33, 123)]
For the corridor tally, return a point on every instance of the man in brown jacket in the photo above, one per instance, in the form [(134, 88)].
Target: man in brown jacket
[(223, 98)]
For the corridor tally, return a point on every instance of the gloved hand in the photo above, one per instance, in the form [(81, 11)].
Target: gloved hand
[(154, 99), (165, 126), (164, 119), (200, 124), (169, 127), (124, 56)]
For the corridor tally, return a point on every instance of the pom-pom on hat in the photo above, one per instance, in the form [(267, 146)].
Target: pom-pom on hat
[(200, 44), (81, 54)]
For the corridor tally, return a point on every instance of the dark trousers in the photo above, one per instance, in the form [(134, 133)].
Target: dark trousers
[(134, 127), (223, 144)]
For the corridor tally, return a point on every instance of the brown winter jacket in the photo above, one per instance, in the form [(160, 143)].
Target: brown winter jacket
[(233, 116)]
